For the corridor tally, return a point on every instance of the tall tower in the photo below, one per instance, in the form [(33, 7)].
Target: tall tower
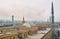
[(52, 12), (23, 20), (13, 19)]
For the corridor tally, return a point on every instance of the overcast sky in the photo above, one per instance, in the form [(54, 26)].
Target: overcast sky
[(30, 9)]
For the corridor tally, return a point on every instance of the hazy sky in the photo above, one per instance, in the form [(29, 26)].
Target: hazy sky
[(30, 9)]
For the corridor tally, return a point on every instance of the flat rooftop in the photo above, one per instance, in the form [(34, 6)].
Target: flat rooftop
[(39, 34), (6, 34)]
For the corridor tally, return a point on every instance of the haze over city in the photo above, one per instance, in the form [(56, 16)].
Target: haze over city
[(30, 9)]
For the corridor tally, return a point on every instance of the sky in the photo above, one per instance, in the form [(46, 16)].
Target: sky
[(29, 9)]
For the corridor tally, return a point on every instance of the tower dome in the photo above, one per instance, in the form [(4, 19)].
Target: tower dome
[(27, 25)]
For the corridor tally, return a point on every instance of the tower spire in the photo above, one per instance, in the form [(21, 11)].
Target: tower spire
[(52, 13)]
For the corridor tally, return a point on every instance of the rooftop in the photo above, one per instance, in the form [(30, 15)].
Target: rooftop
[(4, 32), (7, 34), (39, 34)]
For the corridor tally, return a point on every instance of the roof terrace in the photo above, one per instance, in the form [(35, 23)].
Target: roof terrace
[(39, 34)]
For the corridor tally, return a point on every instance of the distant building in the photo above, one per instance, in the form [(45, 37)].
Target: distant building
[(12, 19), (23, 20), (25, 24)]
